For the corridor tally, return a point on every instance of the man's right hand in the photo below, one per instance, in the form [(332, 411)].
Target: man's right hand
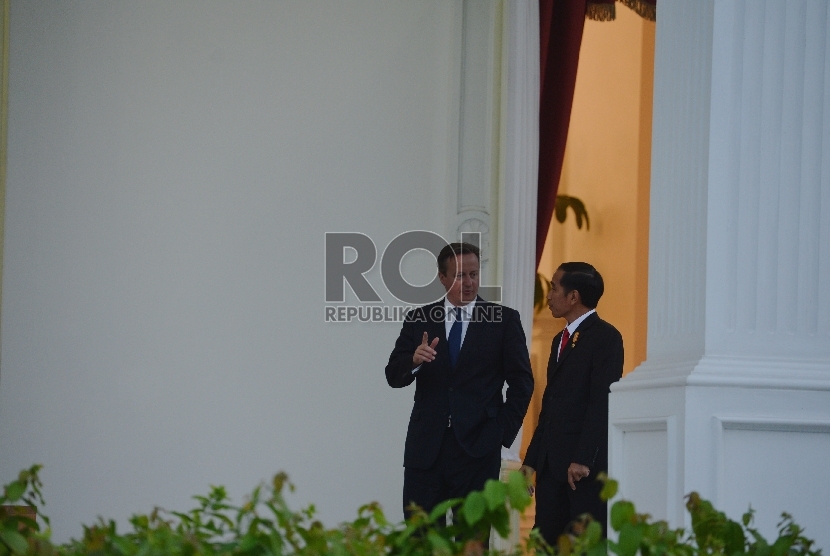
[(425, 352), (528, 472)]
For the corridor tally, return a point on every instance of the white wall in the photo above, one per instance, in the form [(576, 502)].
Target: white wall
[(172, 169)]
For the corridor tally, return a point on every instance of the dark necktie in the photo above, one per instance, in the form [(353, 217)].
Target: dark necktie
[(565, 336), (454, 340)]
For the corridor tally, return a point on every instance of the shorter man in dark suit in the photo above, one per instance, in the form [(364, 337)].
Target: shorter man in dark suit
[(460, 352), (570, 445)]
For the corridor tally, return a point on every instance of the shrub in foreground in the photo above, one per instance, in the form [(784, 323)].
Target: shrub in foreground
[(264, 525)]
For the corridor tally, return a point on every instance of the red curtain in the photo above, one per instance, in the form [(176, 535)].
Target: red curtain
[(560, 36)]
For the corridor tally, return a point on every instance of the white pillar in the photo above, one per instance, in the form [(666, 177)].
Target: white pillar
[(499, 147), (518, 196), (521, 164), (733, 400)]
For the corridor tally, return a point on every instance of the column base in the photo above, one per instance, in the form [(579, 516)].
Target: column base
[(744, 372), (739, 439)]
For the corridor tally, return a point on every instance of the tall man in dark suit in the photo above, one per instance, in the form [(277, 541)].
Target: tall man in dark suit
[(570, 445), (460, 352)]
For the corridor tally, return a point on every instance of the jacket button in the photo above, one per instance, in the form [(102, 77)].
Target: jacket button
[(450, 389)]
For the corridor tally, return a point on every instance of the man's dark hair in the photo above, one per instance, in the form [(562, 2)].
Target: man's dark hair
[(585, 279), (452, 250)]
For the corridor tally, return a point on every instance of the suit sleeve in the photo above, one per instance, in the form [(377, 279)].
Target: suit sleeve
[(606, 369), (532, 454), (519, 379), (399, 368)]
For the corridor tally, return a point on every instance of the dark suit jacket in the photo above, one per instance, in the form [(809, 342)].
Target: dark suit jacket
[(573, 424), (494, 352)]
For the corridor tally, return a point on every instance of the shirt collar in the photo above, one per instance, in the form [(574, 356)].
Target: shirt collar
[(575, 324), (467, 310)]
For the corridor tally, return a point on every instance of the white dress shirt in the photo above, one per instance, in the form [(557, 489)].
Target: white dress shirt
[(572, 328), (449, 319)]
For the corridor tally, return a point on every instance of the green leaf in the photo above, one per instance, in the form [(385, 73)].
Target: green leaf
[(500, 520), (440, 510), (762, 548), (593, 532), (629, 541), (560, 210), (494, 493), (439, 543), (622, 512), (378, 515), (609, 487), (474, 507), (15, 490), (247, 542), (15, 541), (781, 546), (339, 550), (280, 481), (734, 538), (599, 549), (517, 491), (125, 546)]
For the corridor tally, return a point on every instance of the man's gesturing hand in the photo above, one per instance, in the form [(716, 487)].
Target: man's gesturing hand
[(577, 471), (528, 472), (425, 352)]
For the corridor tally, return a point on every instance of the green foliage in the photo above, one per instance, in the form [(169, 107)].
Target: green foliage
[(560, 210), (713, 534), (17, 525), (264, 525)]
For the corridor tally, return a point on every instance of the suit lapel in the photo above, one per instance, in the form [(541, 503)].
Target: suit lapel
[(473, 334), (554, 348), (573, 340)]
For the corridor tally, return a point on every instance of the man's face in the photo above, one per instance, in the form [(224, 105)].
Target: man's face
[(559, 302), (461, 280)]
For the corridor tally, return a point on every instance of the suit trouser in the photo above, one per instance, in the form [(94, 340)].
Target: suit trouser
[(557, 504), (453, 475)]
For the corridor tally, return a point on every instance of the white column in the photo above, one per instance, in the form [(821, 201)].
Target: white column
[(499, 146), (734, 398), (476, 197), (521, 159), (499, 143), (521, 154), (518, 194)]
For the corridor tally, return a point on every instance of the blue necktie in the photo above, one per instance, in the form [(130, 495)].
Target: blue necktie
[(455, 337)]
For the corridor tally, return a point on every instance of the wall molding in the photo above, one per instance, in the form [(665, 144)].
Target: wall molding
[(619, 469), (780, 373), (725, 422)]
